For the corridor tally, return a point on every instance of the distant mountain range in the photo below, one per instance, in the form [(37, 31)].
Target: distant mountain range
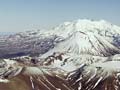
[(6, 33)]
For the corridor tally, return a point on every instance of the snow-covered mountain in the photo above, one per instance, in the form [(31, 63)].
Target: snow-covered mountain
[(40, 41), (85, 43), (78, 55)]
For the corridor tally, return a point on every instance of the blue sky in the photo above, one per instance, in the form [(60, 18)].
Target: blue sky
[(21, 15)]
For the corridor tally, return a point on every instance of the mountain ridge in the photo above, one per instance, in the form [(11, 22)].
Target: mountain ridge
[(77, 55)]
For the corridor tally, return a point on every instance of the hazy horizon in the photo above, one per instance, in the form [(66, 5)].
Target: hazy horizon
[(23, 15)]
